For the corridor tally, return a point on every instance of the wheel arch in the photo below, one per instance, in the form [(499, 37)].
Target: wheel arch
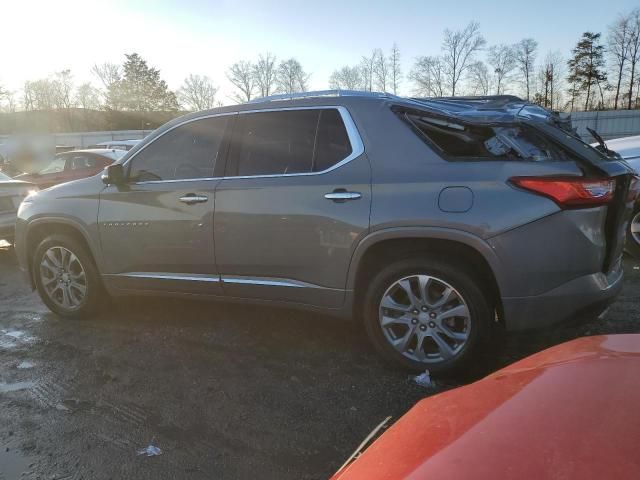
[(383, 246), (42, 227)]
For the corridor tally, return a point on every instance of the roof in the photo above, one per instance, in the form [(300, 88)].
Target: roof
[(567, 412)]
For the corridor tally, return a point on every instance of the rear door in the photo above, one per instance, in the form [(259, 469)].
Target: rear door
[(156, 232), (293, 205)]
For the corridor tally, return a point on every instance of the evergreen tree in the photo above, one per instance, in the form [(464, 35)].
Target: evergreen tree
[(141, 89), (587, 66)]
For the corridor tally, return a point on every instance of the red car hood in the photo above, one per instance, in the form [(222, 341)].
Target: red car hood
[(569, 412)]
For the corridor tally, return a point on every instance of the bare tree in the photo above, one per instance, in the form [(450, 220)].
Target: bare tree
[(479, 78), (62, 86), (428, 75), (87, 97), (381, 70), (502, 59), (348, 78), (396, 69), (291, 77), (367, 69), (240, 74), (618, 45), (39, 95), (525, 53), (109, 74), (634, 51), (550, 80), (264, 74), (459, 50), (197, 93)]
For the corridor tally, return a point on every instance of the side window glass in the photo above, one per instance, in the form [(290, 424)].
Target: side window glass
[(187, 151), (273, 143), (333, 143)]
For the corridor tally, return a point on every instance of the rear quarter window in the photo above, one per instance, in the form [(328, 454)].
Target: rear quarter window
[(456, 141)]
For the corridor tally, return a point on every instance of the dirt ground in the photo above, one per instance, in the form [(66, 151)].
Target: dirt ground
[(225, 391)]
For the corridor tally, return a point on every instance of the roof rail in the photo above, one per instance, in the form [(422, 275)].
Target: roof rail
[(322, 93)]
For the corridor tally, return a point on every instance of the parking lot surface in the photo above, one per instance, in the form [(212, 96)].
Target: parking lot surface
[(224, 391)]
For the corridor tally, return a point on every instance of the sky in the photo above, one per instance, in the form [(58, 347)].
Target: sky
[(205, 37)]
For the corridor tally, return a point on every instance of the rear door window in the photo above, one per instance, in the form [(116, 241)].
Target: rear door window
[(287, 142)]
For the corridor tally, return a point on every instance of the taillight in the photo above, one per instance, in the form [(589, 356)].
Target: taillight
[(634, 189), (570, 192)]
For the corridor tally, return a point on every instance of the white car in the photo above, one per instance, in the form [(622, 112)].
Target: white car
[(629, 149), (117, 144)]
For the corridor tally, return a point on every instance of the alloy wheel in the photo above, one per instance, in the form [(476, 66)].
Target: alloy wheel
[(63, 278), (635, 228), (425, 319)]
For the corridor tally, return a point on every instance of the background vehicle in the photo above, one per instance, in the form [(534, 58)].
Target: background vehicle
[(629, 149), (429, 219), (12, 192), (523, 421), (72, 165), (117, 144)]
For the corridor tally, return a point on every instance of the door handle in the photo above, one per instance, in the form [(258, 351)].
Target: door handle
[(341, 195), (191, 198)]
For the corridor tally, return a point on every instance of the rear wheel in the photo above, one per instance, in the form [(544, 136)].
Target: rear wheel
[(66, 277), (633, 235), (426, 313)]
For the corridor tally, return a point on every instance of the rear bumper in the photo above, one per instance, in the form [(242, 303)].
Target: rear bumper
[(588, 293)]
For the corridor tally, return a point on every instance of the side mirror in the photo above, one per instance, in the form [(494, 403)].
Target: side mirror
[(113, 175)]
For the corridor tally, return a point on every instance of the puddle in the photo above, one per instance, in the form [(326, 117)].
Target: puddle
[(14, 333), (13, 466), (14, 387), (25, 365), (12, 338)]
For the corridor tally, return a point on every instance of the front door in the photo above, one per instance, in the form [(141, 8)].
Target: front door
[(156, 231), (292, 207)]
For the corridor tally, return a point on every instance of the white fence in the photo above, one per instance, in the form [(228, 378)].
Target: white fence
[(84, 139), (609, 124)]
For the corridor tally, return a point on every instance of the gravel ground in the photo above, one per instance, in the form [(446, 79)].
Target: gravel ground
[(225, 391)]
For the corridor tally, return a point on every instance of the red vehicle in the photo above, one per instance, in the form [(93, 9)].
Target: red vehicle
[(72, 165), (569, 412)]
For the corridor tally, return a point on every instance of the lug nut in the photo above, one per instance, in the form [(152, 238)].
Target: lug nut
[(432, 324), (423, 327), (424, 309), (414, 321), (432, 315)]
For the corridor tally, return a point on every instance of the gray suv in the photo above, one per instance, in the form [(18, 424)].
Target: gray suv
[(433, 221)]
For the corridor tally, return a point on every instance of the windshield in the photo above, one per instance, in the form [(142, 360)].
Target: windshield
[(56, 165), (4, 178)]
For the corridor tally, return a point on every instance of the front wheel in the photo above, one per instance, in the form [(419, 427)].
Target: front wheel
[(66, 277), (426, 313), (633, 235)]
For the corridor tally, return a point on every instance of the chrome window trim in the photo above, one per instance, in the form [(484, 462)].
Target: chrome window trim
[(357, 146)]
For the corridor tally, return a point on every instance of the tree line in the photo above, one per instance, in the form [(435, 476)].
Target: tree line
[(601, 72)]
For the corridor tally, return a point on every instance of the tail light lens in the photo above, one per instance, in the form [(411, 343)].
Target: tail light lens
[(570, 192), (634, 190)]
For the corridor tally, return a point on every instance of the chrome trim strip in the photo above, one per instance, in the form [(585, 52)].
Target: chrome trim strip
[(166, 276), (357, 146), (267, 282)]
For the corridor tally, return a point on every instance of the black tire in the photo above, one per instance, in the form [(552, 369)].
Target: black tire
[(481, 311), (633, 246), (95, 293)]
